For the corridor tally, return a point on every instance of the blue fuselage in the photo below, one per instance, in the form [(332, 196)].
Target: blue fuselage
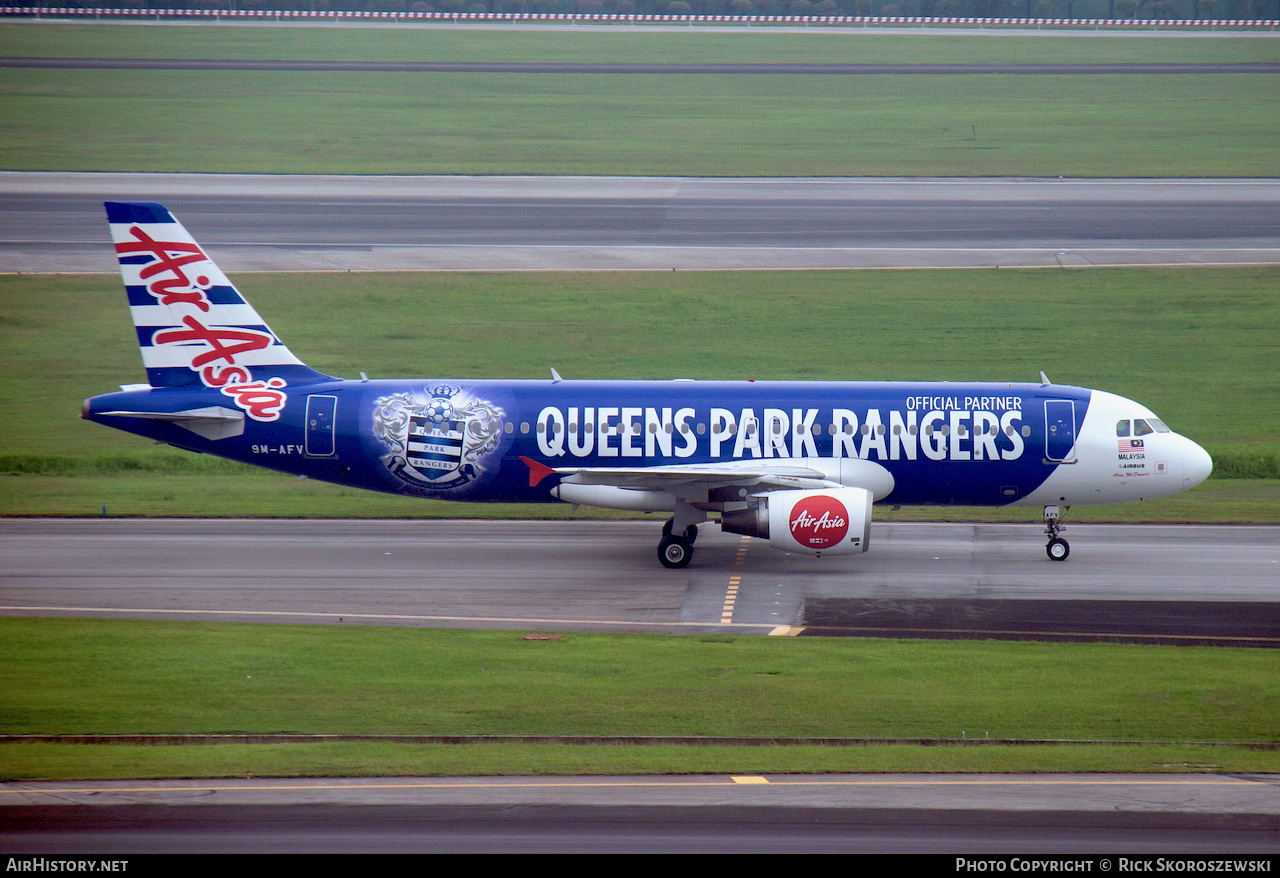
[(943, 443)]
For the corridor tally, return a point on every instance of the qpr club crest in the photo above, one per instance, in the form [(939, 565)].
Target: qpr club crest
[(437, 439)]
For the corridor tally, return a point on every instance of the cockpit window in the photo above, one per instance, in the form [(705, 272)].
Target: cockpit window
[(1141, 427), (1122, 428), (1159, 425)]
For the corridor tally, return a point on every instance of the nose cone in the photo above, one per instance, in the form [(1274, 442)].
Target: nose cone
[(1196, 465)]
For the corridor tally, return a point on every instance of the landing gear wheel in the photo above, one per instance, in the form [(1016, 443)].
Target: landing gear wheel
[(666, 527), (1057, 548), (691, 534), (675, 552)]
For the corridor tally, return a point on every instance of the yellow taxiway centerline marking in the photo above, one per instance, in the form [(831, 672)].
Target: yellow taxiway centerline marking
[(735, 579)]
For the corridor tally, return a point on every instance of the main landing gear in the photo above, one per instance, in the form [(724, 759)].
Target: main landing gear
[(677, 551), (1057, 549)]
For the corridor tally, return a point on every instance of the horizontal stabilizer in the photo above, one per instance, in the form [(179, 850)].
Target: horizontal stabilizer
[(213, 422)]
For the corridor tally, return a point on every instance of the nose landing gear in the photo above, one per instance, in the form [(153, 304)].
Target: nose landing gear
[(1057, 548)]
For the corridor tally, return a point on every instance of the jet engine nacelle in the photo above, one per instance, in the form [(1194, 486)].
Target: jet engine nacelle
[(835, 521)]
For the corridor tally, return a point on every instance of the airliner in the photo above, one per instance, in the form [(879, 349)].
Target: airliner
[(798, 464)]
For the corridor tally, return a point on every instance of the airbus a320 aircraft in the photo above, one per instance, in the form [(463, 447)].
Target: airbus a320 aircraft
[(796, 463)]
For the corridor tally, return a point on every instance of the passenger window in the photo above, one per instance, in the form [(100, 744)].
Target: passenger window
[(1122, 429), (1141, 427)]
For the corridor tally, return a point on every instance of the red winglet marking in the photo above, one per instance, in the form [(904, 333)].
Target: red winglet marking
[(537, 471)]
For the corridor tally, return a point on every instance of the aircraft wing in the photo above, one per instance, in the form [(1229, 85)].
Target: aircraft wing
[(690, 481), (686, 480), (679, 480)]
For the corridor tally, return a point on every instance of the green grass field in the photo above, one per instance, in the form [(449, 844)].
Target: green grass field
[(81, 676), (586, 46), (50, 761), (1161, 336), (747, 125)]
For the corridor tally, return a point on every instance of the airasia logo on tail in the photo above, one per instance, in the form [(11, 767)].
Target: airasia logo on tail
[(213, 348), (819, 522)]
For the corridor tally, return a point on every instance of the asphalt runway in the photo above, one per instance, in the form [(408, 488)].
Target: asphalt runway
[(583, 575), (54, 222), (940, 814)]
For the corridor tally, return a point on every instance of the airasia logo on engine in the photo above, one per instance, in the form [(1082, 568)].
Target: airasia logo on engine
[(819, 522)]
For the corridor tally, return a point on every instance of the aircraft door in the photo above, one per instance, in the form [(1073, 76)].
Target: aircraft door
[(1059, 430), (322, 412)]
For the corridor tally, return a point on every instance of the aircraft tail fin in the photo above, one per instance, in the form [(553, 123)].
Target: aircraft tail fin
[(193, 325)]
